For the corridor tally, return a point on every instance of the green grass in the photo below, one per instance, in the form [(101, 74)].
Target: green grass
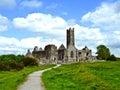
[(9, 80), (84, 76)]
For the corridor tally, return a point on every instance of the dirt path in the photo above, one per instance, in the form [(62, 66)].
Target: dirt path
[(34, 81)]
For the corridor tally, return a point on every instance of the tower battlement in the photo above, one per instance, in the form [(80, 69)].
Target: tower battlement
[(70, 37)]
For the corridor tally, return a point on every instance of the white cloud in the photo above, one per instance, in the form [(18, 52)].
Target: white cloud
[(71, 22), (55, 27), (91, 37), (10, 46), (48, 25), (31, 3), (8, 3), (15, 46), (3, 23), (23, 43), (106, 16), (116, 32), (86, 33), (42, 23), (4, 42)]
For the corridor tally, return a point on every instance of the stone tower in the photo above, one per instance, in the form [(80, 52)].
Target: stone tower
[(51, 55), (71, 50), (70, 37)]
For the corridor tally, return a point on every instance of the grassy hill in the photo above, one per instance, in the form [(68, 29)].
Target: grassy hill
[(84, 76)]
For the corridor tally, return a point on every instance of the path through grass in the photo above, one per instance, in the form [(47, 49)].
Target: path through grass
[(9, 80)]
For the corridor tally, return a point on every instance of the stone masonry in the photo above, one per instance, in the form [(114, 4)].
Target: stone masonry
[(70, 54)]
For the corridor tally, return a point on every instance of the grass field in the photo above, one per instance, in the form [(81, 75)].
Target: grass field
[(9, 80), (84, 76)]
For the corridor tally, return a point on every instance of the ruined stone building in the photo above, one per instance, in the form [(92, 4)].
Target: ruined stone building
[(51, 55)]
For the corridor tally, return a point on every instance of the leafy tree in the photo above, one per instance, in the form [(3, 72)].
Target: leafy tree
[(112, 58), (103, 52)]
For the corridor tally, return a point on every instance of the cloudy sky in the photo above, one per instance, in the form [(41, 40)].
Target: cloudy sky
[(28, 23)]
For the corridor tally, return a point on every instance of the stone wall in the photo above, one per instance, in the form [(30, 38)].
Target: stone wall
[(52, 55)]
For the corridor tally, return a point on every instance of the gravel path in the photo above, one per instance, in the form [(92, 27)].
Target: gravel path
[(34, 81)]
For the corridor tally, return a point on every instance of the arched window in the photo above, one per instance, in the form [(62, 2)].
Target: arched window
[(87, 54), (72, 54)]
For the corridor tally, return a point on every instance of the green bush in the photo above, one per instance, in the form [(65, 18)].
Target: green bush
[(30, 61), (11, 61), (4, 67), (17, 66), (11, 58), (13, 65), (112, 58)]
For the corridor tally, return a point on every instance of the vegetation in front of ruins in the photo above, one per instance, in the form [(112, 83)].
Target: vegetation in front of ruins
[(9, 80), (13, 62), (30, 61), (84, 76), (8, 62)]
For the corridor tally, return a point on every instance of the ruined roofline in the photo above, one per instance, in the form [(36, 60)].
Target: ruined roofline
[(70, 39), (63, 54), (62, 47), (50, 45), (70, 29)]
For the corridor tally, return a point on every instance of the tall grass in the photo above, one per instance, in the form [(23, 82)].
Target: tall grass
[(9, 80), (84, 76)]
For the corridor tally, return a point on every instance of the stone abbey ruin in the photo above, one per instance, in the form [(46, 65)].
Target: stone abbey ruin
[(70, 54)]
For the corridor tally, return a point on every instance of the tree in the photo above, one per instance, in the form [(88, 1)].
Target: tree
[(112, 58), (103, 52)]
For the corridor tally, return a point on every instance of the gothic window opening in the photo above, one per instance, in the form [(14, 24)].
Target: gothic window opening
[(62, 56), (87, 54), (72, 54), (80, 53), (54, 59)]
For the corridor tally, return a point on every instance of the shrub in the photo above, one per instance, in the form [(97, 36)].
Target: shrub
[(112, 58), (17, 66), (11, 61), (30, 61), (13, 64), (4, 67)]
